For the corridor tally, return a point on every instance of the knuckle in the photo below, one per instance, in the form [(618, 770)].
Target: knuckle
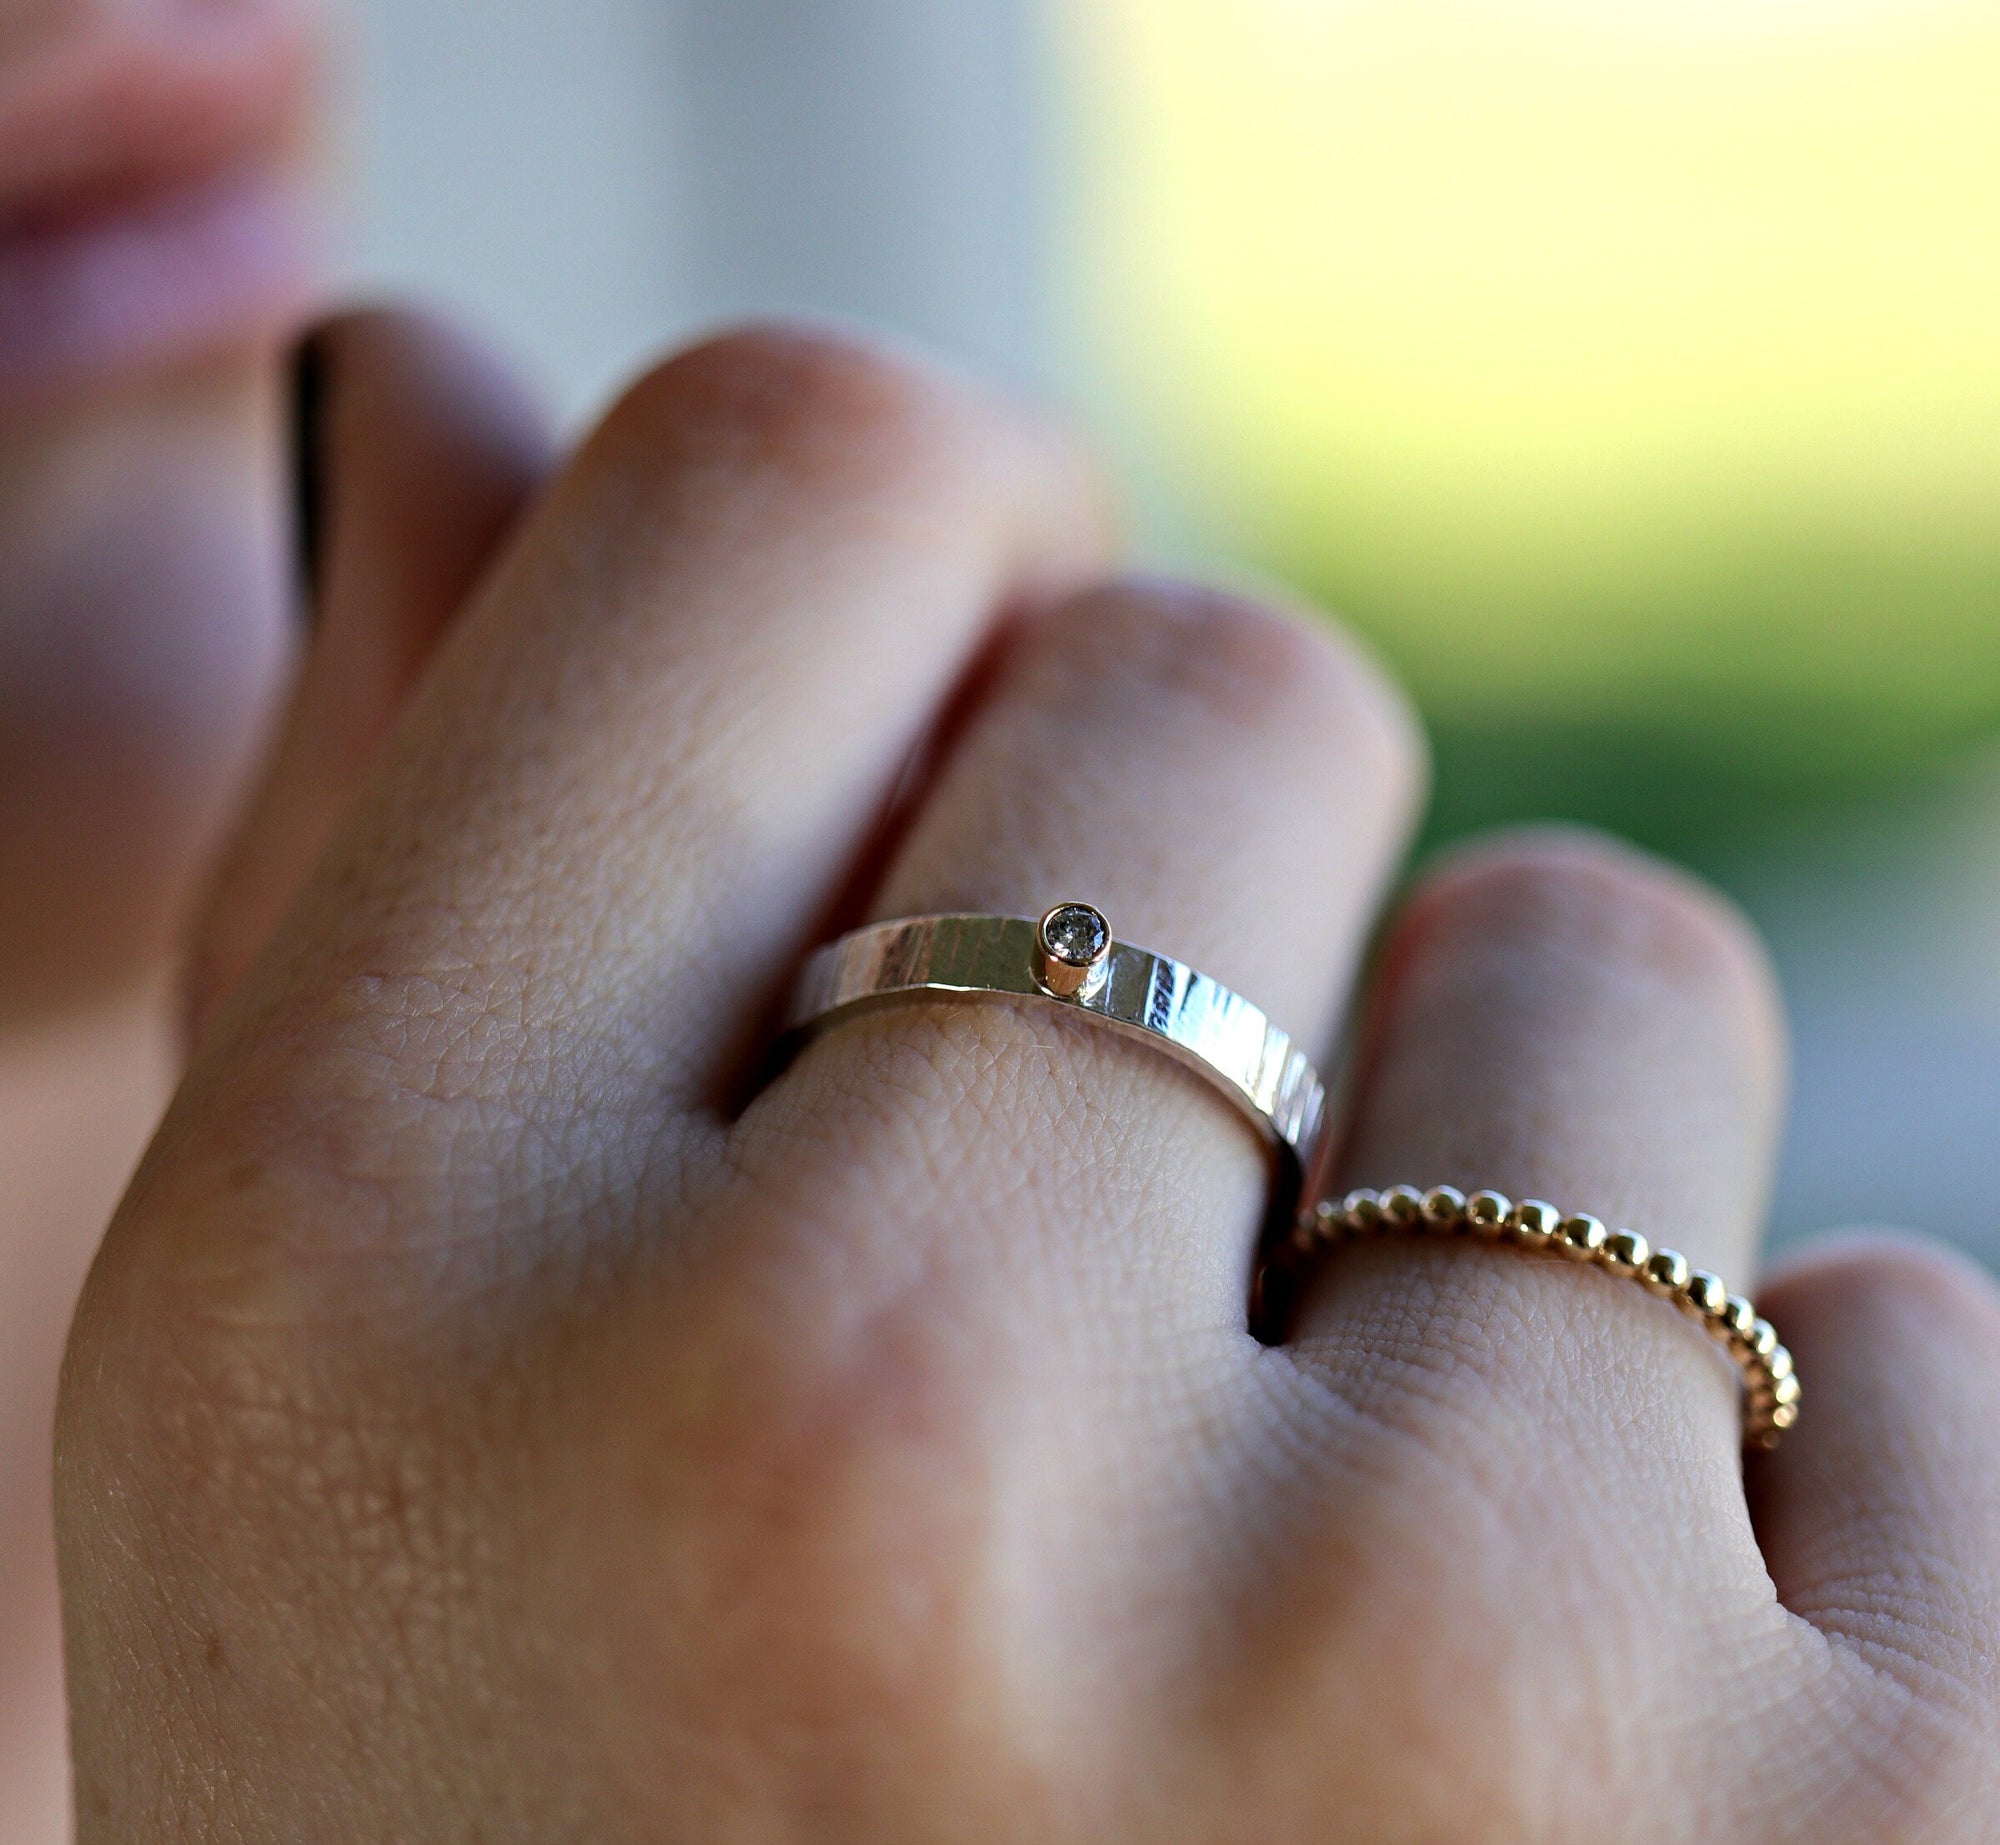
[(1585, 894), (1903, 1280), (1241, 663), (807, 404)]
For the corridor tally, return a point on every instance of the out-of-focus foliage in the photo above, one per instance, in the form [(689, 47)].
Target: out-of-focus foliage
[(1629, 368)]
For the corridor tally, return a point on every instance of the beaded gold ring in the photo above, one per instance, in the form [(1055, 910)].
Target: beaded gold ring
[(1770, 1385)]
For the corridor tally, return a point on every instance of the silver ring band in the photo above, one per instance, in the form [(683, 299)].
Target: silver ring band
[(1070, 959)]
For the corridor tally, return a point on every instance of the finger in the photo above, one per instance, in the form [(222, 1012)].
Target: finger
[(650, 757), (1558, 1018), (1232, 787), (415, 450), (1879, 1512)]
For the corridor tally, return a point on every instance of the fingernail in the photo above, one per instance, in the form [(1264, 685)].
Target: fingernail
[(312, 383)]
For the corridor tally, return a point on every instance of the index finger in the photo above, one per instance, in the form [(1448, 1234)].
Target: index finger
[(651, 754)]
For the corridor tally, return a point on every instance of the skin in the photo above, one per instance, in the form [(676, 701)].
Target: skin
[(144, 624), (143, 565), (508, 1408)]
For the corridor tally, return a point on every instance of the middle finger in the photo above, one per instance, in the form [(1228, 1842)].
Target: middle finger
[(1231, 788)]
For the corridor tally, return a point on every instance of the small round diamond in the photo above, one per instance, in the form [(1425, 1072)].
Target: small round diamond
[(1076, 935)]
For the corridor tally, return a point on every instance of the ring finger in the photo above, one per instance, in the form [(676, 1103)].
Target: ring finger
[(1560, 1019)]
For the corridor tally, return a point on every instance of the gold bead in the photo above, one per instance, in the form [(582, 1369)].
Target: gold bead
[(1739, 1316), (1763, 1338), (1534, 1223), (1784, 1415), (1402, 1208), (1583, 1237), (1706, 1294), (1779, 1364), (1486, 1213), (1444, 1208), (1627, 1253), (1785, 1393), (1667, 1271), (1363, 1211), (1326, 1225)]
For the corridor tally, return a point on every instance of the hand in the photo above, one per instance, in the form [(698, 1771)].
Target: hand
[(497, 1415)]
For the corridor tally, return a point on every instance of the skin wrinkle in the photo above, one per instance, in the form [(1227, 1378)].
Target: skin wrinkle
[(420, 1143), (1916, 1767), (1922, 1573), (1445, 1554), (904, 1073), (1129, 1477), (478, 1263), (1434, 1343), (1877, 1544), (1414, 1467)]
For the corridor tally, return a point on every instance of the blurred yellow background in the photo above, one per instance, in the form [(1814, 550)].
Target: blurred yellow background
[(1630, 369)]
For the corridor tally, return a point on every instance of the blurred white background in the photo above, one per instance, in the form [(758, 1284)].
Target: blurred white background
[(596, 178)]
